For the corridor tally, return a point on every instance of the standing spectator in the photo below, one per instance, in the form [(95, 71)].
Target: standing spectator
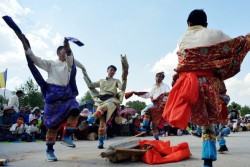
[(14, 100), (234, 116)]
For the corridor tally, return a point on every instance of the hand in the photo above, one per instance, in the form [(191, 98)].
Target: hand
[(66, 45)]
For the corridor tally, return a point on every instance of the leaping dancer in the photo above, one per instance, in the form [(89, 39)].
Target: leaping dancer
[(59, 90)]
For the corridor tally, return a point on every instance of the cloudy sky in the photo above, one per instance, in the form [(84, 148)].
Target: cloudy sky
[(146, 31)]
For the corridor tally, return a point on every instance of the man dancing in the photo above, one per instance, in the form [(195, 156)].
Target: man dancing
[(206, 57), (108, 99), (59, 92), (158, 96)]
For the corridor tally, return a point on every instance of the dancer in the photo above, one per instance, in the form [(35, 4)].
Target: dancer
[(206, 57), (158, 96), (59, 91), (108, 99)]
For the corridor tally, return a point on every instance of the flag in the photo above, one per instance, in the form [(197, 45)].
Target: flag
[(3, 78), (76, 41)]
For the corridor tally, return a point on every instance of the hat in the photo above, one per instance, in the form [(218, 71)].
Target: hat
[(34, 109), (134, 116), (33, 118), (8, 108), (162, 74), (85, 112)]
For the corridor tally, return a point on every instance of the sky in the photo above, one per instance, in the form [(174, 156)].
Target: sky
[(147, 31)]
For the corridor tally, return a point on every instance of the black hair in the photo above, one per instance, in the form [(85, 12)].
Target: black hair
[(162, 75), (21, 116), (19, 92), (197, 17), (112, 66), (59, 49), (234, 106)]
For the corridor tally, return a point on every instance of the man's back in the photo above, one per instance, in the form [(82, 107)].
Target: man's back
[(200, 36)]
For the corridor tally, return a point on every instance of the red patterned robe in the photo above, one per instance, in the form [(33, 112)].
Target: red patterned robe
[(201, 69)]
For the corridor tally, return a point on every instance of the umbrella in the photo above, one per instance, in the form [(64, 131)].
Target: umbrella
[(247, 115), (127, 111)]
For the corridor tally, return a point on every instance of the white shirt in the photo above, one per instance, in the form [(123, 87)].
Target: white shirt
[(156, 91), (58, 71), (197, 36), (33, 129), (18, 130), (14, 101)]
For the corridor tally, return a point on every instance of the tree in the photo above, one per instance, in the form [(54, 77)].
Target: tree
[(245, 110), (87, 96), (32, 95), (137, 105)]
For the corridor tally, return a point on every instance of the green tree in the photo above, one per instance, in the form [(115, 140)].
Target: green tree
[(245, 110), (87, 96), (137, 105), (32, 96)]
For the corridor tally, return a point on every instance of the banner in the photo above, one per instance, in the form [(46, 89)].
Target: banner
[(3, 78)]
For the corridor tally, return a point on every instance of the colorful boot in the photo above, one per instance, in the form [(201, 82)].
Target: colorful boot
[(101, 137), (49, 154), (92, 118), (209, 153), (67, 141)]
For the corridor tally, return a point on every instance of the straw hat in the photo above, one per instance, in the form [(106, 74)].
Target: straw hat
[(85, 112)]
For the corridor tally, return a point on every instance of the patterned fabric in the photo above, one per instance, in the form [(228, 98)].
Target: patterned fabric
[(157, 110), (59, 100), (71, 123), (101, 132), (51, 135), (97, 114), (196, 92), (223, 58)]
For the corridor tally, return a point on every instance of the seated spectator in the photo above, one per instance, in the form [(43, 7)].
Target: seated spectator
[(28, 110), (124, 129), (34, 130), (18, 131), (83, 131), (6, 121), (25, 115), (35, 113), (136, 125)]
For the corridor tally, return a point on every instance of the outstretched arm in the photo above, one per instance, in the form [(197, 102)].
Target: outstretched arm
[(23, 40), (44, 64)]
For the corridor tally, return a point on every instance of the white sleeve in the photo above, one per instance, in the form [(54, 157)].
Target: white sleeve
[(28, 130), (78, 64), (148, 95), (41, 63), (13, 127), (224, 37)]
